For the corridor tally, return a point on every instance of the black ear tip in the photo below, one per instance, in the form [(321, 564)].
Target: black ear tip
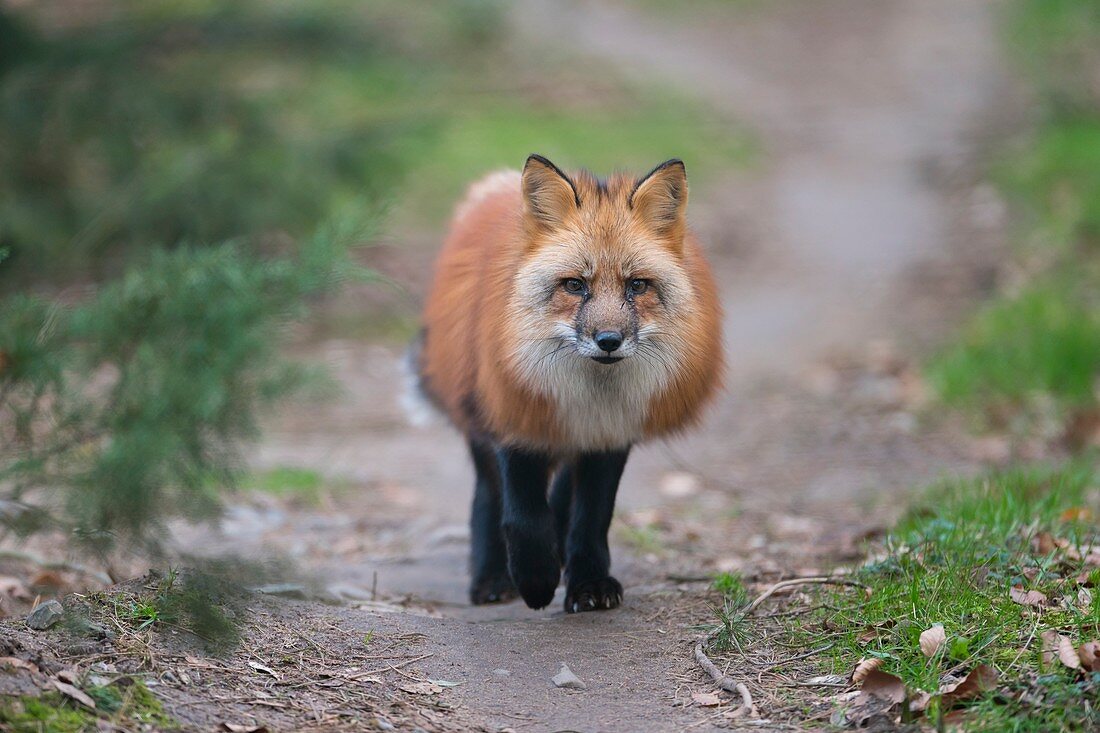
[(536, 158), (673, 162)]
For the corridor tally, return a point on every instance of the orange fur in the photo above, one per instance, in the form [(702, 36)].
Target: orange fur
[(497, 355)]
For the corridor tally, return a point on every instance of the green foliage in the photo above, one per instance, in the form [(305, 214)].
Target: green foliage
[(162, 122), (132, 406), (205, 599), (1056, 42), (732, 587), (952, 561)]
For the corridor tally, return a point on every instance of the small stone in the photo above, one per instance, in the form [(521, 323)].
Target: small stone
[(501, 672), (567, 680), (384, 724), (45, 615)]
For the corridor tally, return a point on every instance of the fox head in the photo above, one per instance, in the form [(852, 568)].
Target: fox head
[(603, 280)]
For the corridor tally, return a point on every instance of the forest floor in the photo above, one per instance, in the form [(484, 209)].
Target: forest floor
[(860, 235)]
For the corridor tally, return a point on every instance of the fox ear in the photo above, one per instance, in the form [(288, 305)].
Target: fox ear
[(660, 197), (549, 197)]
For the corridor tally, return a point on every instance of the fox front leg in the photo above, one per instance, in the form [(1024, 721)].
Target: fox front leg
[(589, 585), (528, 523), (490, 581)]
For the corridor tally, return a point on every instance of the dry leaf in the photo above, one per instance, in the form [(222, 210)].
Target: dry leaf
[(1089, 654), (706, 699), (420, 688), (1056, 645), (981, 679), (263, 668), (69, 691), (931, 640), (865, 667), (244, 728), (919, 700), (1067, 654), (1084, 597), (1027, 597), (18, 663), (1077, 514), (884, 686), (1049, 648)]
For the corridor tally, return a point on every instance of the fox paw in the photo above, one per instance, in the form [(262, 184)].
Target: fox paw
[(495, 589), (593, 595), (534, 564)]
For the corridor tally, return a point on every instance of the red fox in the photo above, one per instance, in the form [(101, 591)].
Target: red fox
[(569, 318)]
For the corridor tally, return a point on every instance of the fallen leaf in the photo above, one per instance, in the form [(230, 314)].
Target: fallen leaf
[(69, 691), (1089, 654), (865, 667), (1044, 543), (420, 688), (1084, 597), (981, 679), (706, 699), (244, 728), (828, 680), (1077, 514), (1049, 649), (263, 668), (932, 639), (19, 664), (919, 701), (884, 686), (1027, 597), (1056, 645), (1067, 654)]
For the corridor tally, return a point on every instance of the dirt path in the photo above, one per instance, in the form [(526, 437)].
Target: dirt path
[(854, 233)]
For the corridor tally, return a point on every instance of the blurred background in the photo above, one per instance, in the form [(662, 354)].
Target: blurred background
[(217, 223)]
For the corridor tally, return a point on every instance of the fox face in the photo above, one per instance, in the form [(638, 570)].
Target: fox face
[(602, 292)]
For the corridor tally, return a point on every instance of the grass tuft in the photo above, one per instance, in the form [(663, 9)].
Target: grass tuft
[(953, 561)]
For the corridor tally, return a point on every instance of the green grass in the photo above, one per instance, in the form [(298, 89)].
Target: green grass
[(304, 484), (952, 561), (1041, 345), (1040, 348), (127, 703)]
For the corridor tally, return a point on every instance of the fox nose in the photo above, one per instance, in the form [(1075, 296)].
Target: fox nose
[(609, 340)]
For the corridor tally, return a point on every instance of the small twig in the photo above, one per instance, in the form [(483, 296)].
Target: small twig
[(61, 565), (795, 658), (725, 682), (793, 582)]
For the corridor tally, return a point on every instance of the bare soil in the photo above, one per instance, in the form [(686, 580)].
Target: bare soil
[(846, 252)]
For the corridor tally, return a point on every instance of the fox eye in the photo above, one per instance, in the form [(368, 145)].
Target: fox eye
[(638, 286), (573, 285)]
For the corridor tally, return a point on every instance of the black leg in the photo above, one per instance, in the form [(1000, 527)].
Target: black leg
[(490, 582), (589, 586), (529, 532), (561, 501)]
